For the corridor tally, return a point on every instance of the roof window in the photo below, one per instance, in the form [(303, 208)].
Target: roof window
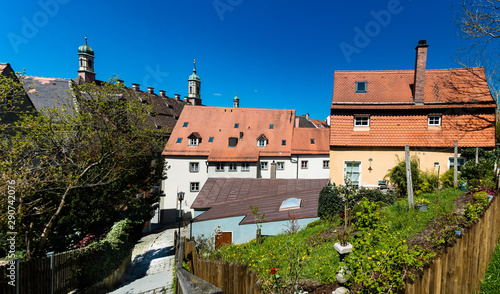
[(210, 139), (261, 141), (233, 142), (271, 126), (236, 125), (179, 140), (360, 87), (291, 203), (312, 141), (185, 124)]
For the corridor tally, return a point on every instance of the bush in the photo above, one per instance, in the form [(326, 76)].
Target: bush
[(100, 259), (447, 179), (397, 176), (374, 195), (481, 197), (483, 170), (330, 203)]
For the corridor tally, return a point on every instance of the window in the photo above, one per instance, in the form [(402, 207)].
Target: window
[(280, 165), (263, 165), (360, 87), (261, 141), (326, 163), (434, 120), (194, 187), (232, 167), (352, 171), (362, 121), (179, 140), (219, 166), (193, 141), (290, 203), (271, 126), (304, 164), (283, 142), (236, 125), (233, 142), (194, 167), (451, 162), (312, 141), (210, 139), (245, 166), (185, 124)]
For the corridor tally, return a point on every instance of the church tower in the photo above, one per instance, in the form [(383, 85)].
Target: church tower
[(86, 59), (194, 87)]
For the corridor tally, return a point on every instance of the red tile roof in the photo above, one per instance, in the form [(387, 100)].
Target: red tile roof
[(301, 142), (228, 197), (461, 96), (220, 124)]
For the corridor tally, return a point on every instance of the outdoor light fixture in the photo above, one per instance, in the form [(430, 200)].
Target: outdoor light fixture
[(370, 160), (180, 196)]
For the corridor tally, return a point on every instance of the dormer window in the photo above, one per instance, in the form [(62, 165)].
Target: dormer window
[(312, 141), (434, 120), (210, 139), (261, 141), (362, 121), (360, 87), (194, 139), (233, 141)]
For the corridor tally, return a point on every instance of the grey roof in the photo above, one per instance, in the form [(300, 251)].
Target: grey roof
[(50, 93), (228, 197)]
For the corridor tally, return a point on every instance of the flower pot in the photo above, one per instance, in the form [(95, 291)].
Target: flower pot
[(341, 249), (422, 207), (341, 290)]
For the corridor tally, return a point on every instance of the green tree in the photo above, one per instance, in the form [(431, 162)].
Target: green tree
[(397, 175), (101, 154)]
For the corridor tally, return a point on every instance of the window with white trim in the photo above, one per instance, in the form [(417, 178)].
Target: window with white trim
[(245, 166), (232, 167), (451, 162), (304, 164), (263, 165), (219, 166), (434, 120), (280, 165), (193, 141), (261, 143), (194, 186), (352, 171), (194, 167), (361, 87), (361, 121)]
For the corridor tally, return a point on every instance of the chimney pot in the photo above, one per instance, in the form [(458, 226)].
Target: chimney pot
[(178, 97), (151, 90), (136, 87), (162, 93)]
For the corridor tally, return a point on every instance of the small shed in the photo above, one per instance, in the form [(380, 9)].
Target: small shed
[(225, 203)]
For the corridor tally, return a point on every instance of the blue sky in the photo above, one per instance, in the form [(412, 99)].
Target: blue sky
[(275, 54)]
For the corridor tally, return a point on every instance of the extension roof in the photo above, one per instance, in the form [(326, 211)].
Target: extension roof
[(228, 197)]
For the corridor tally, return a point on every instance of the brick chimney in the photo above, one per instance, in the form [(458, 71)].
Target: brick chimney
[(151, 90), (162, 93), (178, 97), (419, 79), (136, 87), (119, 82)]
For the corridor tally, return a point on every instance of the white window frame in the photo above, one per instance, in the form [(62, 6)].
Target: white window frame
[(219, 167), (194, 167), (326, 164), (245, 166), (360, 119), (233, 167), (280, 165), (264, 165), (193, 142), (304, 164), (432, 118), (261, 143), (194, 187), (451, 159), (359, 174)]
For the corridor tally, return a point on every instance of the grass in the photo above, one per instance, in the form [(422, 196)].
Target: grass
[(491, 281), (308, 256)]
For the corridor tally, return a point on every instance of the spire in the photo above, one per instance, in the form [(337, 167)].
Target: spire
[(236, 101), (194, 66)]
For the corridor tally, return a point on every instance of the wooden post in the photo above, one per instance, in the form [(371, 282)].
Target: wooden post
[(409, 183), (455, 166), (477, 155)]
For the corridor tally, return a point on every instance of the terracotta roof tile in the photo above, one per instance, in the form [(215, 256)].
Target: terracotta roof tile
[(227, 197), (301, 142)]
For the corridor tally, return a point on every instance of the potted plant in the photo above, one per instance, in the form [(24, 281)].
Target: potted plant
[(343, 247), (422, 203)]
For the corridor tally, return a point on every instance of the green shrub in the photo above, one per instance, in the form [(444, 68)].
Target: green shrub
[(397, 176), (100, 259), (480, 171), (447, 179), (314, 223), (329, 203), (481, 197), (472, 211), (375, 195)]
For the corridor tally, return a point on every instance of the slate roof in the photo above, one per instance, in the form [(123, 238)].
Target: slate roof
[(461, 96), (3, 67), (247, 125), (228, 197), (50, 93)]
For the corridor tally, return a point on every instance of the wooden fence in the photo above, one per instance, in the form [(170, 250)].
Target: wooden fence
[(230, 277), (35, 276), (461, 267)]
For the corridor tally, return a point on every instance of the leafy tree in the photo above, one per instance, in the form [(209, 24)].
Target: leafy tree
[(85, 164), (397, 175)]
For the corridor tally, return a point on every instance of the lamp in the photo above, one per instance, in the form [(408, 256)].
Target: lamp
[(180, 197), (370, 160)]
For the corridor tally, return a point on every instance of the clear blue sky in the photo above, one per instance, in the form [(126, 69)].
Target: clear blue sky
[(276, 54)]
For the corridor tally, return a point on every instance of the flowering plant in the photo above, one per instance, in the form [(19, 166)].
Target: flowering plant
[(85, 241)]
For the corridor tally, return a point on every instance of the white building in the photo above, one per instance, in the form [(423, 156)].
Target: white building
[(232, 142)]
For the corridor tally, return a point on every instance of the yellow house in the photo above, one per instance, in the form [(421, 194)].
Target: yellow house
[(374, 114)]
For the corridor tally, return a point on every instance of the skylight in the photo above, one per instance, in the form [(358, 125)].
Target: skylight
[(291, 203)]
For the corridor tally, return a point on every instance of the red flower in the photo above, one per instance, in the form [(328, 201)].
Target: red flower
[(244, 247), (273, 271), (341, 214)]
